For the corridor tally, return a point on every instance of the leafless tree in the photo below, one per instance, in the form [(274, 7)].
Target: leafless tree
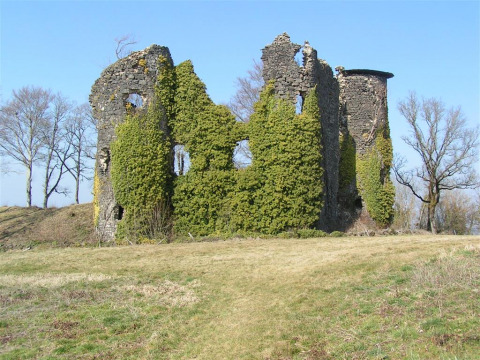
[(81, 136), (23, 121), (248, 91), (241, 105), (406, 209), (123, 44), (56, 148), (447, 148)]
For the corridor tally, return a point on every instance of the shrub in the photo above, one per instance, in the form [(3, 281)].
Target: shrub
[(310, 233)]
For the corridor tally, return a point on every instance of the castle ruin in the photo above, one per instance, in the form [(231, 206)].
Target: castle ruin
[(353, 105)]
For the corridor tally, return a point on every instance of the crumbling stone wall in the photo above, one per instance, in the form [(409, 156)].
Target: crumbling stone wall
[(363, 104), (134, 75), (352, 104), (363, 113), (293, 80)]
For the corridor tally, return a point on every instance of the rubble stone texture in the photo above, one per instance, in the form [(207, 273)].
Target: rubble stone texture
[(354, 103), (129, 78)]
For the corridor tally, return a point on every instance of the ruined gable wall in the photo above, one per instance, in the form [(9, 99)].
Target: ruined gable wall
[(135, 74), (293, 80), (279, 64)]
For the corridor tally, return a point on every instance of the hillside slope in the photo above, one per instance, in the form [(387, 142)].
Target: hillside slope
[(22, 227)]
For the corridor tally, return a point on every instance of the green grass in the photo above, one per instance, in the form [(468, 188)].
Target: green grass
[(401, 297)]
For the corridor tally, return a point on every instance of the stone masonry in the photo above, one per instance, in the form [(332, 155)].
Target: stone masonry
[(129, 80), (353, 102)]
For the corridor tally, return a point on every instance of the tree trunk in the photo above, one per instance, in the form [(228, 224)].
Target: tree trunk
[(432, 225), (47, 180), (77, 185), (77, 178), (45, 200), (29, 185)]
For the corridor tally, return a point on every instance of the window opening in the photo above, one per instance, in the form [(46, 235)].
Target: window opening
[(299, 58), (181, 160), (242, 156), (358, 203), (299, 104), (118, 212), (134, 101)]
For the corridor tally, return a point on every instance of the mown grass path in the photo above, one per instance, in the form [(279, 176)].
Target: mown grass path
[(399, 297)]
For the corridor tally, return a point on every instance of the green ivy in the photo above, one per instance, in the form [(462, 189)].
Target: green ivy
[(141, 175), (165, 87), (209, 132), (347, 166), (141, 166), (373, 179), (283, 187)]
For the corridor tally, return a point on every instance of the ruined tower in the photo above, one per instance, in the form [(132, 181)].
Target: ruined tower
[(130, 82), (292, 82), (363, 113)]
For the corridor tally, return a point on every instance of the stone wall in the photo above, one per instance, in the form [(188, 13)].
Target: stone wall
[(292, 81), (129, 78), (363, 104), (353, 103), (362, 111)]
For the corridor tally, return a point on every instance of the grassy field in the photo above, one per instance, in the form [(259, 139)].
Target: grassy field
[(399, 297)]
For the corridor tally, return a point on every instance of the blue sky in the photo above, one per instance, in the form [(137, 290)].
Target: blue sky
[(432, 47)]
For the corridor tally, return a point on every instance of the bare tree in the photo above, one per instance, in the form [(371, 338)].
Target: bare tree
[(23, 121), (447, 148), (56, 149), (248, 91), (123, 44), (241, 105), (80, 135), (406, 209)]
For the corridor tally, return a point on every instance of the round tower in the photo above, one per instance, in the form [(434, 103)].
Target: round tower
[(365, 143)]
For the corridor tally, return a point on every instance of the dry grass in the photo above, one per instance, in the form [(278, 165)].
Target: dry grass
[(328, 298), (22, 228)]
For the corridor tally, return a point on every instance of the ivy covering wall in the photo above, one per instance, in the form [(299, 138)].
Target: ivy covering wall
[(209, 134), (347, 166), (141, 175), (281, 190), (372, 167), (283, 187)]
